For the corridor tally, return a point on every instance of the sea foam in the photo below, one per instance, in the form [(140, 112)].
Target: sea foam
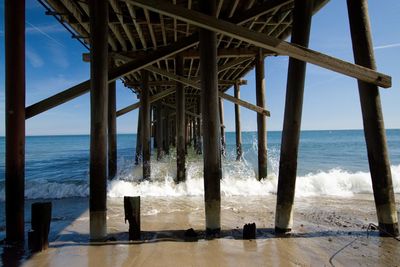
[(239, 179)]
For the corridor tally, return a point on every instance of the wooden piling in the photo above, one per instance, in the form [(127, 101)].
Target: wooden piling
[(221, 119), (180, 125), (238, 131), (38, 237), (159, 130), (292, 119), (112, 130), (132, 215), (98, 131), (199, 147), (14, 14), (138, 154), (166, 130), (261, 119), (374, 129), (146, 125), (210, 122)]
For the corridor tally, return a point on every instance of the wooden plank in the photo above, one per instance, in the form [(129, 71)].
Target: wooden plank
[(264, 41)]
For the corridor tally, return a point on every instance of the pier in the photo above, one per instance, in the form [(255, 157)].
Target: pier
[(180, 58)]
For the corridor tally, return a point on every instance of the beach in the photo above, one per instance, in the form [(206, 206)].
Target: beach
[(333, 210), (328, 231)]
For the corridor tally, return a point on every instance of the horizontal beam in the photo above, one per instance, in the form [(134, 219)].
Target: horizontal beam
[(173, 83), (129, 67), (153, 99), (186, 111), (264, 41), (196, 85)]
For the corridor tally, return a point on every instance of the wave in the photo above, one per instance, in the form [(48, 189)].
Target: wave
[(239, 179)]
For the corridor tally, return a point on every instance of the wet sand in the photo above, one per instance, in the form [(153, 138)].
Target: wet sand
[(327, 231)]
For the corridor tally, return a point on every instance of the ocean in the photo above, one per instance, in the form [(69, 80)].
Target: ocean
[(331, 163)]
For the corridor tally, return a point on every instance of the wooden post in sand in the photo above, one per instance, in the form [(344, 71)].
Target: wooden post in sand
[(221, 120), (374, 129), (112, 130), (292, 120), (98, 130), (14, 12), (261, 119), (211, 124), (138, 154), (159, 130), (237, 123), (146, 125), (180, 125)]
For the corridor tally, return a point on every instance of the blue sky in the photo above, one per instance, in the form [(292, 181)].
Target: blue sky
[(54, 63)]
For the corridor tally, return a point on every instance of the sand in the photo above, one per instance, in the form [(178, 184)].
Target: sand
[(327, 231)]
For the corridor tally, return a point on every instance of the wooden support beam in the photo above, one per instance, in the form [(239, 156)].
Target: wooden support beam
[(112, 131), (152, 99), (221, 120), (211, 124), (238, 131), (292, 120), (146, 126), (14, 19), (374, 128), (98, 119), (138, 154), (261, 120), (264, 41), (180, 125), (159, 131), (199, 147), (186, 111), (173, 83), (113, 74), (195, 85)]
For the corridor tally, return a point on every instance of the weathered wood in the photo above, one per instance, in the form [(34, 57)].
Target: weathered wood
[(159, 131), (14, 19), (199, 147), (98, 119), (186, 111), (180, 125), (374, 129), (221, 120), (132, 215), (112, 131), (146, 125), (238, 131), (153, 99), (129, 67), (166, 129), (292, 120), (195, 85), (138, 154), (38, 237), (262, 40), (261, 120), (211, 124)]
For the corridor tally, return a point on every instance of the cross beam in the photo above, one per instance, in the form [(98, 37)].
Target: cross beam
[(194, 85), (264, 41)]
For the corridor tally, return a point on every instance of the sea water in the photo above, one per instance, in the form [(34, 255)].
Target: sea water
[(329, 163)]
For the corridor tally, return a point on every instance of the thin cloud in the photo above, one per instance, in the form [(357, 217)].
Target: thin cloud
[(33, 58), (59, 56), (44, 30), (387, 46)]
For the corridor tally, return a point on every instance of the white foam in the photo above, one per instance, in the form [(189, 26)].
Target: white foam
[(239, 179)]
